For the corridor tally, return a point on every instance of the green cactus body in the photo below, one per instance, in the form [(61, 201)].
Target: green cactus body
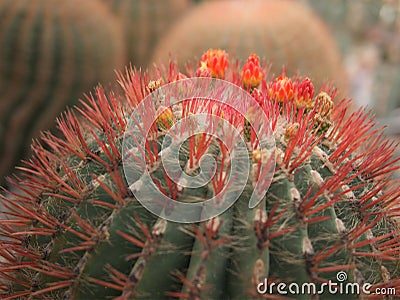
[(51, 54), (145, 21), (285, 32), (76, 231)]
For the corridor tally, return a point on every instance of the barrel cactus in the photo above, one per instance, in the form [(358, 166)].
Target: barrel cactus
[(74, 228), (51, 53), (144, 22), (286, 33)]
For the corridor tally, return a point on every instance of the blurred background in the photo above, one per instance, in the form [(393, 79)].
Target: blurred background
[(54, 51)]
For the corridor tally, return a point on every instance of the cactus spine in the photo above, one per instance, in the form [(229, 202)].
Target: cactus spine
[(51, 54), (75, 230)]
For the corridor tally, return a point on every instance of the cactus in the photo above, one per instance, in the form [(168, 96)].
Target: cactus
[(73, 228), (145, 21), (51, 54), (285, 32)]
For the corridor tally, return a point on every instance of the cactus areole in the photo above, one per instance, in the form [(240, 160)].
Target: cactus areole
[(210, 183)]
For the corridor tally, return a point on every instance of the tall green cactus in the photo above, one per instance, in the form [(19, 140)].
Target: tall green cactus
[(145, 22), (285, 32), (76, 230), (51, 53)]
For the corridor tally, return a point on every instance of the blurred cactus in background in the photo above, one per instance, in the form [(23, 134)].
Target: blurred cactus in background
[(51, 53), (144, 22), (286, 32)]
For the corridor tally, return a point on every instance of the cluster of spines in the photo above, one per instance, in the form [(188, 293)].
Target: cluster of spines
[(74, 201)]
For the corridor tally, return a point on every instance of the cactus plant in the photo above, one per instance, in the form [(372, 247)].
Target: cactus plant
[(144, 22), (285, 32), (74, 229), (51, 54)]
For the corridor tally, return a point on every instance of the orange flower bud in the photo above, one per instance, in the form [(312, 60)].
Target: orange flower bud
[(251, 72), (282, 89), (214, 62)]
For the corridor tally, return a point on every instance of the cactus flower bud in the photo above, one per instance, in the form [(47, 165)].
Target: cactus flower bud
[(214, 62), (304, 93), (325, 104), (281, 89), (291, 131), (165, 117), (251, 73)]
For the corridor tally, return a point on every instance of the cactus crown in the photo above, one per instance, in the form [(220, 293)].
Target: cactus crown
[(74, 229)]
